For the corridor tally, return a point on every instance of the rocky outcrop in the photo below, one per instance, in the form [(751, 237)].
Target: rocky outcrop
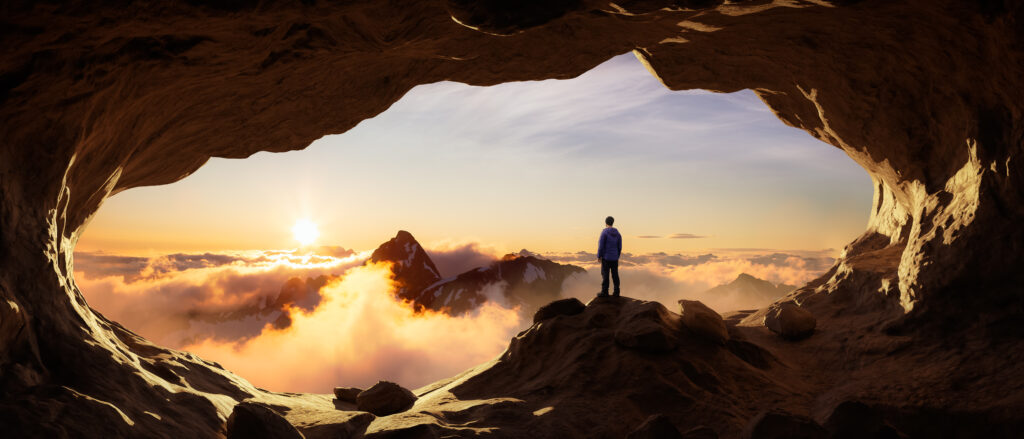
[(257, 421), (347, 394), (925, 95), (385, 398), (563, 307), (703, 321), (790, 321), (411, 266)]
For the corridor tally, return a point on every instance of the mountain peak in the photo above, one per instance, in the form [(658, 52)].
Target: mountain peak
[(412, 268)]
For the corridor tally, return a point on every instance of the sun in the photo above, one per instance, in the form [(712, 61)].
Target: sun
[(305, 231)]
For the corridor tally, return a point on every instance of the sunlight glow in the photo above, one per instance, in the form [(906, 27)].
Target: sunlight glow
[(305, 231)]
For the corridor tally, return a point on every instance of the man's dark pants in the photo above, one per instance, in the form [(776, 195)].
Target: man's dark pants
[(613, 267)]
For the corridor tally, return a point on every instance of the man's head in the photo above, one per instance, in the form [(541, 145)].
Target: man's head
[(609, 221)]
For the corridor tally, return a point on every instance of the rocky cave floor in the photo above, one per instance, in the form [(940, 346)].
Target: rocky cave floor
[(603, 369)]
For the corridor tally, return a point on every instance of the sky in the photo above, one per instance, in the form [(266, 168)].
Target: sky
[(535, 165), (703, 187)]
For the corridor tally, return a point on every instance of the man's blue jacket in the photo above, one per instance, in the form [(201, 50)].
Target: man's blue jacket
[(610, 245)]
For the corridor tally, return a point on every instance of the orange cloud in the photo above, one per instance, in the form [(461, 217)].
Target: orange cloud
[(358, 334)]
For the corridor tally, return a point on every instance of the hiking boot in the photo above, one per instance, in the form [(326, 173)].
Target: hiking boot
[(602, 294)]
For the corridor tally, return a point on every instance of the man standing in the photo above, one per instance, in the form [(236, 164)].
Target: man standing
[(609, 247)]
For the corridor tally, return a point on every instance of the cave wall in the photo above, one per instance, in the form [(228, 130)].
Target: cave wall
[(99, 97)]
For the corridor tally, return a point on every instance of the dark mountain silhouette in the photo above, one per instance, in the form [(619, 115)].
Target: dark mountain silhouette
[(522, 278), (412, 268)]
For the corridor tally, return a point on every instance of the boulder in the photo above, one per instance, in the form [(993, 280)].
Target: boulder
[(783, 425), (347, 394), (703, 321), (563, 307), (250, 420), (655, 427), (645, 336), (790, 321), (385, 398)]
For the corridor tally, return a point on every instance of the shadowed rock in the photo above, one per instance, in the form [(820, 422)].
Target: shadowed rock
[(700, 432), (647, 337), (856, 420), (347, 394), (655, 427), (790, 321), (783, 425), (564, 307), (257, 421), (703, 321), (385, 398), (926, 95)]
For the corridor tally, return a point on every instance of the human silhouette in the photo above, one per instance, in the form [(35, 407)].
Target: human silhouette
[(609, 247)]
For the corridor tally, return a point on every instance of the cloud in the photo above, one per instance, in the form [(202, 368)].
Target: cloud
[(453, 259), (685, 236), (668, 277), (300, 321), (174, 298), (648, 236), (814, 263), (360, 334)]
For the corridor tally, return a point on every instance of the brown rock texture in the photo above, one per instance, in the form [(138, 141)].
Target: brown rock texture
[(703, 321), (789, 320), (347, 394), (385, 398), (99, 97), (256, 421)]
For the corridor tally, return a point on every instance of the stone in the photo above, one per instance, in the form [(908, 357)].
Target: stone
[(700, 432), (703, 321), (347, 394), (563, 307), (250, 420), (790, 321), (385, 398), (655, 427), (645, 336), (783, 425)]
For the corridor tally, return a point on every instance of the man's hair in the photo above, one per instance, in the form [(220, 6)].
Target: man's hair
[(609, 221)]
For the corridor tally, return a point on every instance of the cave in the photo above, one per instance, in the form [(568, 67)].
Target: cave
[(917, 321)]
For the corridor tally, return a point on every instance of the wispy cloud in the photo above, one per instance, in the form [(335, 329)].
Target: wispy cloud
[(686, 236), (648, 236)]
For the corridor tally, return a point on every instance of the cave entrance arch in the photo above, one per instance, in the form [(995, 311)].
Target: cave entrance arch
[(99, 101)]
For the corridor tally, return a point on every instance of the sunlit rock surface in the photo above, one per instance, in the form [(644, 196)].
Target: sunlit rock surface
[(915, 321)]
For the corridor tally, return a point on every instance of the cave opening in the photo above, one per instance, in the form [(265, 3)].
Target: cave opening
[(705, 187)]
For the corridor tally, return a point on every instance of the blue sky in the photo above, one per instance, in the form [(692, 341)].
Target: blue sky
[(534, 165)]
